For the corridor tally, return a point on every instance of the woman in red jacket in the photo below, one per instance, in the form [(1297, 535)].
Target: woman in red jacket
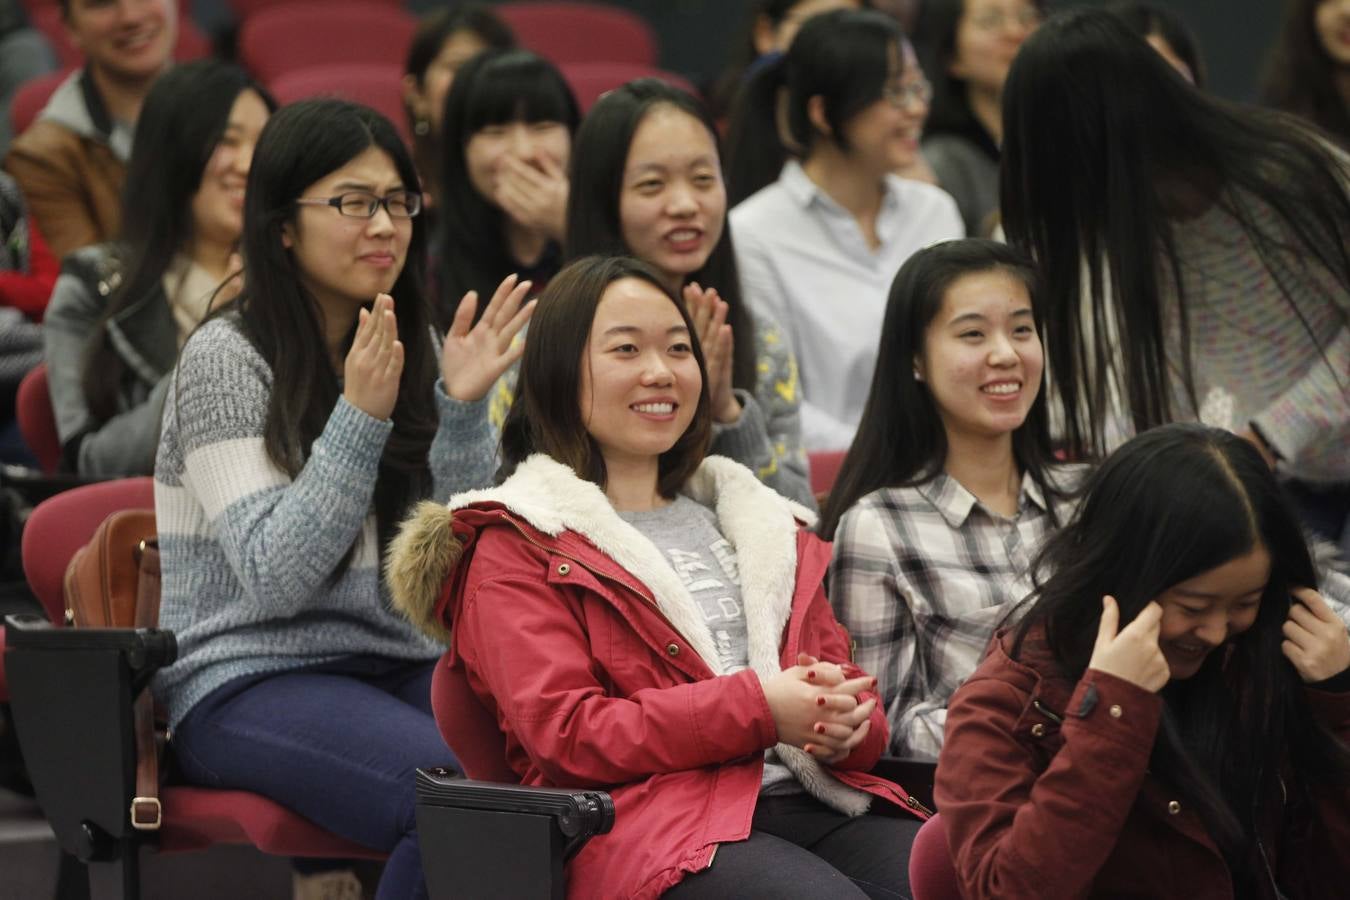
[(1170, 717), (639, 617)]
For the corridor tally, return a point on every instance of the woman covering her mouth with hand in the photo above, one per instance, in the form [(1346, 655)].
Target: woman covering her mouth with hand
[(1170, 718)]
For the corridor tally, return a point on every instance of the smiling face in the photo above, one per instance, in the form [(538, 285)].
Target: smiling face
[(218, 205), (988, 36), (640, 381), (884, 137), (672, 203), (128, 40), (345, 261), (1331, 19), (1201, 613), (982, 357)]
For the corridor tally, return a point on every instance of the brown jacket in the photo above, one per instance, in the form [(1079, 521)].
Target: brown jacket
[(1045, 790), (69, 172)]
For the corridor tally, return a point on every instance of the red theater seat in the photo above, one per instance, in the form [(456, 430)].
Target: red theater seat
[(590, 80), (37, 419), (377, 85), (303, 35), (581, 32)]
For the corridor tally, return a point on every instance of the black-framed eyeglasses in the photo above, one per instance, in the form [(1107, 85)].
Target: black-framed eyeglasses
[(906, 94), (364, 205)]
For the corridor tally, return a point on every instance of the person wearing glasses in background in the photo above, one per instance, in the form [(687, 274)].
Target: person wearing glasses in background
[(817, 249), (966, 47), (299, 429)]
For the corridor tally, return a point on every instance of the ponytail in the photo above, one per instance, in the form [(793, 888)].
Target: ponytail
[(755, 148)]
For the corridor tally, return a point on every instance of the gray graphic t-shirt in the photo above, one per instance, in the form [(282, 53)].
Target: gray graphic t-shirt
[(686, 533)]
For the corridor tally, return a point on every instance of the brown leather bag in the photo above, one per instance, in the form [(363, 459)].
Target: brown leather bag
[(113, 582)]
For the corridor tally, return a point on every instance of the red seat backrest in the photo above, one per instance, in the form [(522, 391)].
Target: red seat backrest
[(242, 9), (377, 85), (31, 97), (564, 32), (303, 35), (37, 419), (590, 80), (469, 729), (60, 525), (825, 466), (931, 873)]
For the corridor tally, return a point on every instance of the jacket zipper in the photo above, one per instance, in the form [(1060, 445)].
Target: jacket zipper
[(915, 804), (1045, 711)]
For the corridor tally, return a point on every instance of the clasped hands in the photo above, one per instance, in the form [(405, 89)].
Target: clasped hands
[(815, 707), (474, 356)]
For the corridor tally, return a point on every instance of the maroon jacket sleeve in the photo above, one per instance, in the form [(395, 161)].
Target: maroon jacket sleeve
[(524, 641), (1317, 858), (1013, 829)]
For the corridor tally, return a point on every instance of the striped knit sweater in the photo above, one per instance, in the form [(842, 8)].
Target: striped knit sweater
[(1254, 360), (249, 555)]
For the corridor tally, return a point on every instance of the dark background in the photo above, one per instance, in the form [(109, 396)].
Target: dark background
[(699, 36)]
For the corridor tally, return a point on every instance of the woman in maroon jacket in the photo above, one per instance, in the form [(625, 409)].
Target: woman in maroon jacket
[(1170, 717), (635, 616)]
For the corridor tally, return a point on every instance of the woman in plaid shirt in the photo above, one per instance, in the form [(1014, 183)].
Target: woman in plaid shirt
[(950, 485)]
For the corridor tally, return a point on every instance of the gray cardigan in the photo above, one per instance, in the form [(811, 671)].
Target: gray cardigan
[(143, 334)]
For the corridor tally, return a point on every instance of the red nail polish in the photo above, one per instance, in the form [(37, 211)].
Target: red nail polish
[(810, 673), (809, 747), (820, 701), (820, 729)]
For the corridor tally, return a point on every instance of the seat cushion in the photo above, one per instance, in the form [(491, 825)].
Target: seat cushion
[(197, 817)]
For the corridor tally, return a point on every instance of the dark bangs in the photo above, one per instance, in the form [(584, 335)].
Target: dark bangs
[(515, 86)]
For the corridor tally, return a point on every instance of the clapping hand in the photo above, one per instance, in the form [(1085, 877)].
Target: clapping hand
[(476, 355), (374, 364), (709, 314), (1315, 639)]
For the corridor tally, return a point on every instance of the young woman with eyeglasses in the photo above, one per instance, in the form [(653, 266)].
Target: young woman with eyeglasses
[(299, 428), (966, 47), (817, 248)]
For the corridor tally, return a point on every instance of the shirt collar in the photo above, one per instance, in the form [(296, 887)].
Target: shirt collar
[(805, 192), (954, 502)]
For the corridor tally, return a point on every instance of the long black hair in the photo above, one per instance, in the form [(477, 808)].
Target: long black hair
[(599, 159), (182, 121), (1103, 141), (1301, 76), (1147, 19), (901, 440), (1168, 505), (935, 41), (844, 57), (431, 35), (493, 88), (545, 416), (283, 320)]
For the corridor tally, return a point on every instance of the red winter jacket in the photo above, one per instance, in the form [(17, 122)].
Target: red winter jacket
[(1044, 787), (591, 659)]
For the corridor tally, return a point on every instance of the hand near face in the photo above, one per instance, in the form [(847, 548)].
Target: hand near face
[(534, 194), (1315, 639), (476, 355), (709, 314), (374, 363), (1132, 654)]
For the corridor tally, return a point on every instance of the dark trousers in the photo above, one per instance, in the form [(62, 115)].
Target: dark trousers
[(800, 848), (337, 743)]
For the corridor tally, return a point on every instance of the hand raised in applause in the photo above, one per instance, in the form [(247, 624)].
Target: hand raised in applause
[(709, 314), (476, 354), (374, 363), (1132, 653)]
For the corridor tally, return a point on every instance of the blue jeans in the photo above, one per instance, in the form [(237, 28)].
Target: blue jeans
[(337, 743)]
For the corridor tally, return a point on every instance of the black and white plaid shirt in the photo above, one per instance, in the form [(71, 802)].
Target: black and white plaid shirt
[(920, 578)]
